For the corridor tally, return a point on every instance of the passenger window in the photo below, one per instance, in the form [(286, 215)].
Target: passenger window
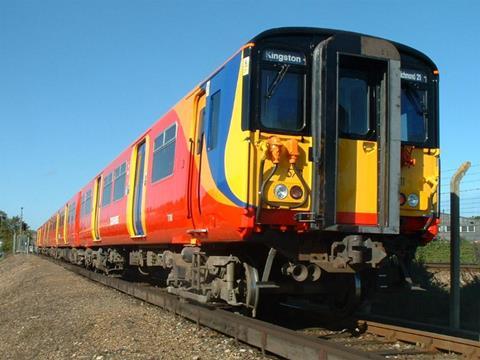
[(107, 190), (164, 153), (213, 120), (119, 181), (201, 131), (71, 212), (82, 204), (88, 202)]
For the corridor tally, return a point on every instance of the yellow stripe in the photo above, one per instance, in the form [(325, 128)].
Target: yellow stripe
[(65, 223), (236, 149), (57, 223), (95, 211), (145, 172), (131, 189)]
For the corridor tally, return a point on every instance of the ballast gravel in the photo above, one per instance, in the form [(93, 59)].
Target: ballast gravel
[(47, 312)]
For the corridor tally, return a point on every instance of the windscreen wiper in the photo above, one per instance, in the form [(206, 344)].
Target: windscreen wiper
[(280, 75)]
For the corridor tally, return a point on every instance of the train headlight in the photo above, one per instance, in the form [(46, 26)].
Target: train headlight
[(280, 191), (402, 199), (296, 192), (413, 200)]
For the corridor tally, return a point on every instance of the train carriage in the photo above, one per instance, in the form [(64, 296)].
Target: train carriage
[(304, 165)]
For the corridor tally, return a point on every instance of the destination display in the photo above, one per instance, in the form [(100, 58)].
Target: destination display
[(285, 57), (413, 75)]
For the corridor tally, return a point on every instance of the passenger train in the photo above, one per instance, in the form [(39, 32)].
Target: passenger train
[(306, 165)]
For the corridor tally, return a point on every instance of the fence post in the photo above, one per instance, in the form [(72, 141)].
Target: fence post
[(14, 242), (455, 245)]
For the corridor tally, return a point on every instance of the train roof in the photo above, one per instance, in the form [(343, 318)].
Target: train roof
[(291, 31)]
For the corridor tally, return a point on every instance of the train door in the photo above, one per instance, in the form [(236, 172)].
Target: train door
[(96, 208), (198, 160), (138, 187), (57, 227), (356, 130), (66, 223)]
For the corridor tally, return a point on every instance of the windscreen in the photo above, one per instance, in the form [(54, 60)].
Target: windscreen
[(414, 113), (282, 106), (282, 90)]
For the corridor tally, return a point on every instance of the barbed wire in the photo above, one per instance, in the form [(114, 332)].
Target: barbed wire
[(464, 182), (455, 169), (465, 190), (466, 175)]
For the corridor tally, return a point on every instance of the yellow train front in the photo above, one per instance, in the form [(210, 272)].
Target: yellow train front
[(344, 159)]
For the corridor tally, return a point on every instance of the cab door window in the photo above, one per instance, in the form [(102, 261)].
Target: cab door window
[(353, 102), (358, 98)]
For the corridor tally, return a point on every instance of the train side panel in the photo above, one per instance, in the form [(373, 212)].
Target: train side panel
[(112, 202)]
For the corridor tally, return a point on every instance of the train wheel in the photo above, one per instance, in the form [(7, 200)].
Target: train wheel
[(252, 292), (347, 296)]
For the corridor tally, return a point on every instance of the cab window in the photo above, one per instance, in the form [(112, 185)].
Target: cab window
[(414, 113), (282, 91), (282, 100)]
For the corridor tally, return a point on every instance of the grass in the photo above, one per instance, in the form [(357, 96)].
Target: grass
[(438, 251)]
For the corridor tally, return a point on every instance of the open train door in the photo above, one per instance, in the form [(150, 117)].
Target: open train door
[(137, 189), (96, 208), (356, 132), (197, 161)]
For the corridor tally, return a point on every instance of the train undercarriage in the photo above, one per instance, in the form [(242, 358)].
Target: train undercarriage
[(340, 275)]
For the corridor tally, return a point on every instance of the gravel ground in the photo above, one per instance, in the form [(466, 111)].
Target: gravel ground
[(46, 312)]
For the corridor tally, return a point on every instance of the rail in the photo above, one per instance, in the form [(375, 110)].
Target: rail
[(430, 340), (275, 339), (265, 336), (446, 266)]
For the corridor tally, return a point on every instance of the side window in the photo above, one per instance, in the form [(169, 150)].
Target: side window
[(213, 120), (164, 153), (107, 190), (201, 131), (82, 205), (71, 212), (119, 184), (88, 202)]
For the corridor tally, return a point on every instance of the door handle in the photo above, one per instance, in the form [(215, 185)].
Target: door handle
[(369, 146)]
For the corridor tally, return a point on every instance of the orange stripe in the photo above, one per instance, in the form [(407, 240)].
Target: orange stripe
[(357, 218)]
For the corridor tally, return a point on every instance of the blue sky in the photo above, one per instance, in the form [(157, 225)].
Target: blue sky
[(80, 80)]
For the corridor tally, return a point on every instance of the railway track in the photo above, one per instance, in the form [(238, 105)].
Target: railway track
[(446, 266), (369, 340)]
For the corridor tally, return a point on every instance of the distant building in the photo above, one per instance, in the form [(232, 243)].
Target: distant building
[(469, 228)]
